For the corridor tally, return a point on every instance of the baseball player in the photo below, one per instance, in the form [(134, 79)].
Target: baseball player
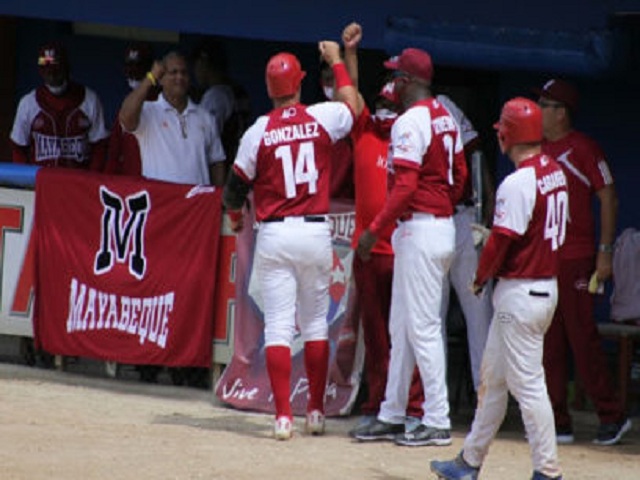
[(285, 157), (370, 137), (529, 226), (60, 123), (124, 154), (476, 309), (429, 170)]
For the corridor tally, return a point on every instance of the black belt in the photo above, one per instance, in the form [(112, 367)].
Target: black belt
[(307, 218)]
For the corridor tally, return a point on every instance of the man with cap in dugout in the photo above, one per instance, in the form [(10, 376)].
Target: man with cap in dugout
[(573, 329), (124, 153), (428, 171), (60, 123)]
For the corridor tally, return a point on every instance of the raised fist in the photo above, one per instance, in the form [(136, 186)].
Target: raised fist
[(352, 35), (329, 51)]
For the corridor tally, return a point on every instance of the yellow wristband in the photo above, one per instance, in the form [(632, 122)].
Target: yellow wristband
[(152, 79)]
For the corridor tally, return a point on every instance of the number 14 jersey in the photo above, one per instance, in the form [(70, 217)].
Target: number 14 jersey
[(532, 207), (286, 156)]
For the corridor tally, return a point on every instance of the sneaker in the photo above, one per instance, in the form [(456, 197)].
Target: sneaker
[(364, 423), (542, 476), (315, 422), (411, 423), (379, 430), (422, 436), (456, 469), (564, 435), (612, 433), (283, 428)]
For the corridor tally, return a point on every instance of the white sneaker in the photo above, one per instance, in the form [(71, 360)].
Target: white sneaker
[(315, 422), (283, 428)]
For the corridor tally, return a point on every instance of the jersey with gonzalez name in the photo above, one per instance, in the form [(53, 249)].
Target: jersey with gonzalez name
[(435, 151), (532, 208), (286, 156), (587, 172), (59, 129)]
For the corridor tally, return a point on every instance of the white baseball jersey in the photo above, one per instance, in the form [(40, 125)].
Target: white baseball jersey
[(286, 155)]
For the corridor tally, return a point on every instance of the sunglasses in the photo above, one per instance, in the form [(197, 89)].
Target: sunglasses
[(545, 104)]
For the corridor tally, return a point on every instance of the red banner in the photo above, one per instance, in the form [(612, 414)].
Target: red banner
[(125, 268), (244, 383)]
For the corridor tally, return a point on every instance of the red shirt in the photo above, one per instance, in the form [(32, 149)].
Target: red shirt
[(531, 209), (370, 150), (587, 171), (286, 155)]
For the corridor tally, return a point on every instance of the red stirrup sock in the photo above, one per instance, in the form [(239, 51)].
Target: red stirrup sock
[(316, 362), (279, 368)]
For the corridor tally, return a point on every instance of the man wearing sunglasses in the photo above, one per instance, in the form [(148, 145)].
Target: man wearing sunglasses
[(573, 328)]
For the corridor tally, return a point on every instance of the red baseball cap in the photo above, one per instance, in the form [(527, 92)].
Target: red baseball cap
[(560, 91), (388, 92), (413, 61), (52, 54)]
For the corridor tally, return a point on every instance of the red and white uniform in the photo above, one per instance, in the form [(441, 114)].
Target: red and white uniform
[(587, 171), (286, 156), (573, 330), (529, 228), (428, 166), (60, 131), (477, 310), (371, 138)]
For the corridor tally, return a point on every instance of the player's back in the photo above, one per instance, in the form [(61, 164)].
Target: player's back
[(292, 169), (541, 202)]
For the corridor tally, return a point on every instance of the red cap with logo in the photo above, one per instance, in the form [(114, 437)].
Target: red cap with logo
[(138, 58), (413, 61), (560, 91), (388, 92), (52, 55)]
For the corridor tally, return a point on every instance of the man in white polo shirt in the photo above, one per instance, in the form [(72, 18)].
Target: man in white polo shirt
[(179, 141)]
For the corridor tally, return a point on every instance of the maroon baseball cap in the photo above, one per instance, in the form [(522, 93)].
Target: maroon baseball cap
[(560, 91), (413, 61), (52, 55), (388, 92)]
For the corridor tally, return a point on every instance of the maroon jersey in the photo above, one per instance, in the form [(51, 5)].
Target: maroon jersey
[(587, 171), (61, 131), (286, 155), (532, 205)]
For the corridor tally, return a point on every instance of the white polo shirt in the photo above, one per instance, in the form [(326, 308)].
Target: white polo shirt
[(177, 147)]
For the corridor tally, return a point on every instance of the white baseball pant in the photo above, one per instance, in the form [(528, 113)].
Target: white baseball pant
[(512, 362), (423, 249), (293, 261)]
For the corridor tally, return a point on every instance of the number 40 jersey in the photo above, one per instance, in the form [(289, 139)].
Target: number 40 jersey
[(286, 156), (532, 208)]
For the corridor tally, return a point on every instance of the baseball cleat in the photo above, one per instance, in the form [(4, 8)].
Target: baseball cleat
[(315, 422), (283, 428), (379, 430), (456, 469)]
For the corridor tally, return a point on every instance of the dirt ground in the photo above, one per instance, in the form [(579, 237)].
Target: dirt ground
[(73, 425)]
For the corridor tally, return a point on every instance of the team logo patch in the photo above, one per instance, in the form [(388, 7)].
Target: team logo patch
[(123, 240)]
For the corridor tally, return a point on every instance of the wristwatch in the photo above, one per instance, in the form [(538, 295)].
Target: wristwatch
[(605, 247)]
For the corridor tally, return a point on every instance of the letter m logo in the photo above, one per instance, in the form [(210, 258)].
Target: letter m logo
[(119, 240)]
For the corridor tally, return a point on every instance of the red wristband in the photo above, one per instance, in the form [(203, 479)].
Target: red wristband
[(341, 76)]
